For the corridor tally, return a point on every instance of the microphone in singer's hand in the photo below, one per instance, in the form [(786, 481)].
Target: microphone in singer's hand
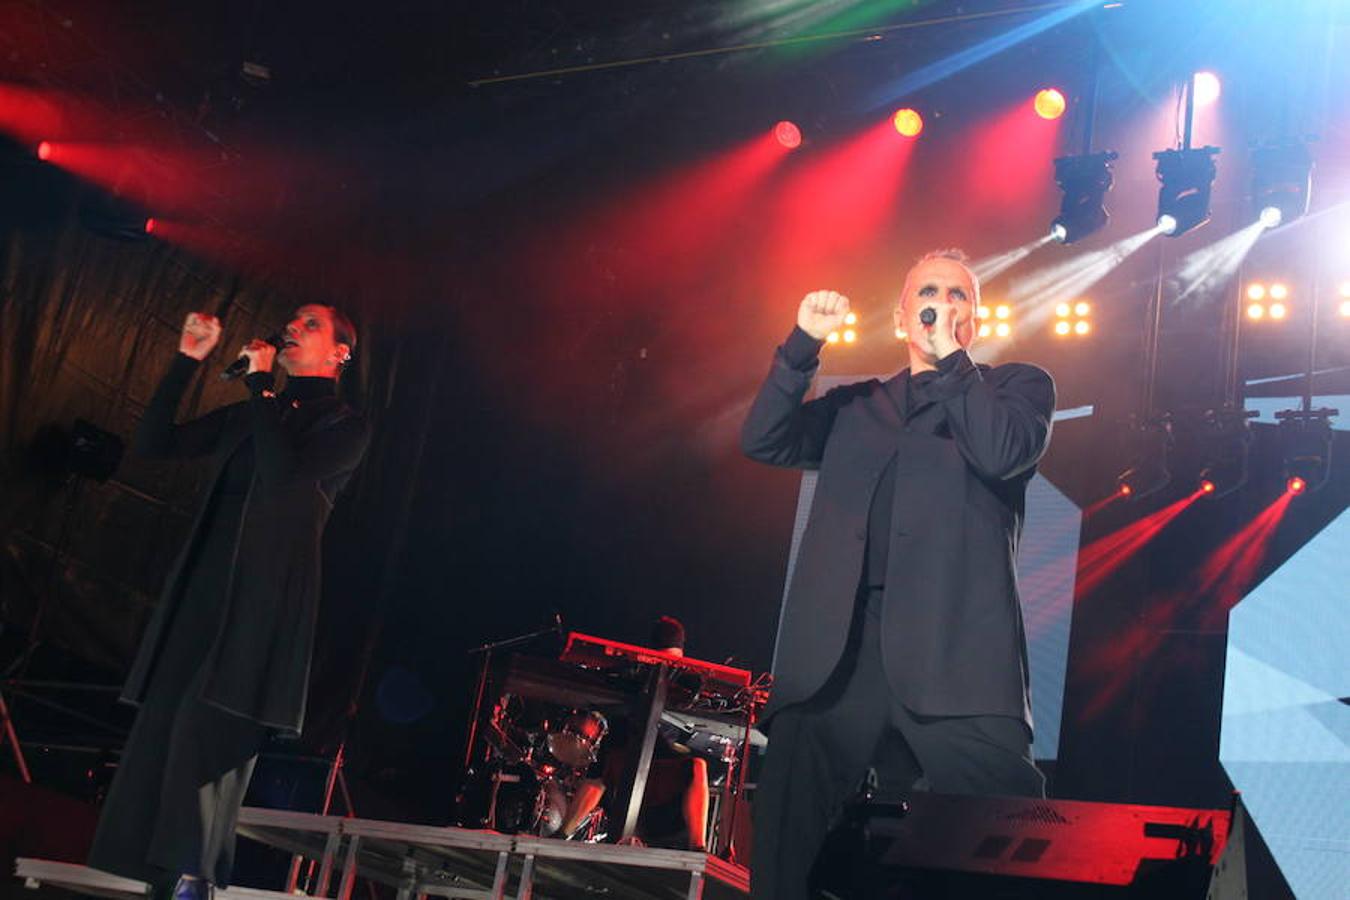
[(928, 316), (240, 365)]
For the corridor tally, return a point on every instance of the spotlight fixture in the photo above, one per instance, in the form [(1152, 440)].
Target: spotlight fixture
[(1050, 104), (1306, 441), (1084, 181), (44, 150), (788, 134), (1207, 87), (1187, 178), (848, 335), (1072, 319), (1281, 182), (114, 216), (1226, 440), (1267, 301), (995, 321), (1149, 472), (908, 122)]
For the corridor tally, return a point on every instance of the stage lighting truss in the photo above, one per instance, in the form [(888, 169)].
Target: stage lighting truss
[(1073, 319), (1226, 440), (1281, 182), (1267, 301), (848, 335), (994, 321), (1084, 181), (1306, 441), (1187, 178), (1149, 472)]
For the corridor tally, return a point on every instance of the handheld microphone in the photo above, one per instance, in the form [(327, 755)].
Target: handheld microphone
[(240, 365), (928, 316)]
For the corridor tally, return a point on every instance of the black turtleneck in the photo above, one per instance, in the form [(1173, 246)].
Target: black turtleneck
[(277, 421), (304, 388)]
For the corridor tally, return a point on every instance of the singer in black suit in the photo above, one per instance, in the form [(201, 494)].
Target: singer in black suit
[(225, 659), (901, 644)]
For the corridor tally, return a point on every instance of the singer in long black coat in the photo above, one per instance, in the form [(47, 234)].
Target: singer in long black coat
[(225, 659)]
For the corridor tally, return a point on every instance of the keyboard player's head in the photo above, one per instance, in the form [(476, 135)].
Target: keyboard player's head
[(668, 636)]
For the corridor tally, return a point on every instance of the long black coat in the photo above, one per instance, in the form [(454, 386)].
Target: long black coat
[(259, 665), (951, 631)]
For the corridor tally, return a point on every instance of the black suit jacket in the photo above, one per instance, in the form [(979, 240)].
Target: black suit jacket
[(951, 631), (259, 666)]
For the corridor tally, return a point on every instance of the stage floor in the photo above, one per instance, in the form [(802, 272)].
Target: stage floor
[(455, 863)]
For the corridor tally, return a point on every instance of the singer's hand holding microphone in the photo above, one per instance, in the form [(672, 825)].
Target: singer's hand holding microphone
[(938, 334), (201, 334)]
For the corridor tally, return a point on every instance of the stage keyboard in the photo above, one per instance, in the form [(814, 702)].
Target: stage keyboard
[(600, 653)]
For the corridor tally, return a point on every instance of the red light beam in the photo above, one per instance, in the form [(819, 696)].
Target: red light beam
[(1228, 573), (1107, 554)]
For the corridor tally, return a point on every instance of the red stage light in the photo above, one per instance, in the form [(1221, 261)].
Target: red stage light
[(1050, 104), (1207, 487), (1296, 485), (788, 134), (908, 122), (150, 226), (1126, 490), (44, 151)]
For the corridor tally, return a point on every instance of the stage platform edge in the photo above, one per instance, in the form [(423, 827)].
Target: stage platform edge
[(420, 861)]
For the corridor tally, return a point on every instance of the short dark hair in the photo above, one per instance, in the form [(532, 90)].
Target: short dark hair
[(344, 332), (668, 631)]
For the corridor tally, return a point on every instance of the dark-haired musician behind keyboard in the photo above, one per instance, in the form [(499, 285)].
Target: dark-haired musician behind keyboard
[(675, 805)]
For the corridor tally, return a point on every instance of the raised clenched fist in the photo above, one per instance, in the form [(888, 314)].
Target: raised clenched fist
[(201, 333), (822, 312)]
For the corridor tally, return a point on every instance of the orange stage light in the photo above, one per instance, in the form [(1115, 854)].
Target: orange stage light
[(908, 122), (1050, 104)]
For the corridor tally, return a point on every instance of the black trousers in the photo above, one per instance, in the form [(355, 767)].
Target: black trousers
[(820, 751)]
